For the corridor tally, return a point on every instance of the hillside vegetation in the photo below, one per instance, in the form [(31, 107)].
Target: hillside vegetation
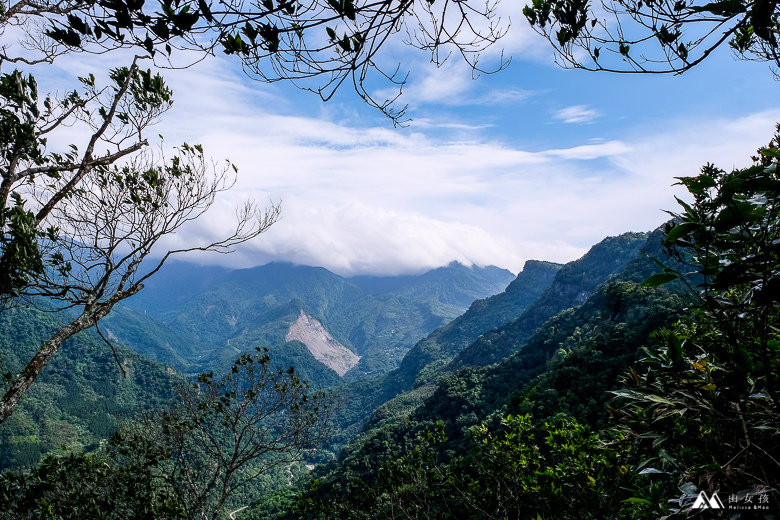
[(201, 322), (653, 395), (81, 396), (639, 381)]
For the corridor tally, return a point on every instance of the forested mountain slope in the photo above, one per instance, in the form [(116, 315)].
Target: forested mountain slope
[(454, 284), (79, 396), (220, 314), (482, 316), (182, 351), (174, 284), (362, 397), (428, 361), (573, 284), (540, 290), (565, 366), (188, 318)]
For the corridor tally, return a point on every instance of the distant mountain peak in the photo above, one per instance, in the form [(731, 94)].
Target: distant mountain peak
[(321, 344), (536, 265)]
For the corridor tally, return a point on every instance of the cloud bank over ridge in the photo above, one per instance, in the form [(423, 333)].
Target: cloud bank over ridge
[(489, 172)]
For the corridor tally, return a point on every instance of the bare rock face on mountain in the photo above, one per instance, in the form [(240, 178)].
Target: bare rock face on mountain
[(325, 349)]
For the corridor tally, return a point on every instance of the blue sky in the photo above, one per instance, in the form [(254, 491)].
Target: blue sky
[(532, 162)]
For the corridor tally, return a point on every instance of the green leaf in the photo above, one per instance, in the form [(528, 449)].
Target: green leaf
[(684, 204), (530, 14), (564, 35), (725, 8), (697, 185), (640, 501), (349, 10), (659, 279), (680, 231), (68, 37), (675, 349), (205, 10), (665, 36), (682, 51), (78, 24)]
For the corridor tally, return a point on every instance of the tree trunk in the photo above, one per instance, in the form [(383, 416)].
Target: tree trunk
[(26, 377)]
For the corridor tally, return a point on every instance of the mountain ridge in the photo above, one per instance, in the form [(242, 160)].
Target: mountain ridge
[(566, 365), (227, 312)]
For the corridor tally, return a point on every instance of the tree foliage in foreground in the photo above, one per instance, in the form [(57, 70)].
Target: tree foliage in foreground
[(703, 414), (517, 471), (186, 462), (76, 226), (318, 44), (655, 36)]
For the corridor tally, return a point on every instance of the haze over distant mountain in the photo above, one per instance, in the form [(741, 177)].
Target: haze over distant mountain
[(200, 318), (561, 353), (540, 291)]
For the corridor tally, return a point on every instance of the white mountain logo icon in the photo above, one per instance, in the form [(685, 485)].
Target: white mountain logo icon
[(705, 502)]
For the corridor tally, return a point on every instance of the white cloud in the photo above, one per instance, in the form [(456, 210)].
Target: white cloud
[(353, 237), (364, 197), (426, 122), (577, 114), (683, 147), (504, 97), (453, 84), (592, 151)]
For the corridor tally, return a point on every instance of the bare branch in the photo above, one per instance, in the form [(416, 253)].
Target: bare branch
[(657, 37), (86, 162), (113, 350), (316, 44), (111, 227)]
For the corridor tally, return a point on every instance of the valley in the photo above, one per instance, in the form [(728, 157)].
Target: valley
[(389, 260), (391, 348), (414, 370), (200, 319)]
